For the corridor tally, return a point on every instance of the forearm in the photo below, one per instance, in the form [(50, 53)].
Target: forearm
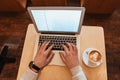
[(77, 73), (29, 75)]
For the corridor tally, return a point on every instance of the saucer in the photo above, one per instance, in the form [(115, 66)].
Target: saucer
[(85, 58)]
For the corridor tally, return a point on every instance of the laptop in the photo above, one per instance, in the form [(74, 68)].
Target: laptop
[(60, 23)]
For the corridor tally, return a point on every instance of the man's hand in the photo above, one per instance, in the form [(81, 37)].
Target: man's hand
[(44, 55), (71, 55)]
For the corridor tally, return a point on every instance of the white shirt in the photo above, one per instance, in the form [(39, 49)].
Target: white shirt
[(77, 74)]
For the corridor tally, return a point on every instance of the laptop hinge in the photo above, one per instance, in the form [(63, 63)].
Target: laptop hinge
[(59, 33)]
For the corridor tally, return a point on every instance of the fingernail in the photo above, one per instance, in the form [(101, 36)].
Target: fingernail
[(52, 45), (62, 44)]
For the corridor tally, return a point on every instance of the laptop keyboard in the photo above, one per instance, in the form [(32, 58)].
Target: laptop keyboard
[(57, 41)]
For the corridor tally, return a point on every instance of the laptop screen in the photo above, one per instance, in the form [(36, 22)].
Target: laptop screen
[(57, 20)]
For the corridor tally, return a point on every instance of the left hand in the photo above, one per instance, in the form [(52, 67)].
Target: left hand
[(44, 55)]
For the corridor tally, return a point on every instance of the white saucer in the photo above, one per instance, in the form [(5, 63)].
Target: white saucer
[(85, 58)]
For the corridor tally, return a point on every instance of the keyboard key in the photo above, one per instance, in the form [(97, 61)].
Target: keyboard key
[(57, 41)]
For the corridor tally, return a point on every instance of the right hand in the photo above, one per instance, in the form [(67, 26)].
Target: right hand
[(71, 55)]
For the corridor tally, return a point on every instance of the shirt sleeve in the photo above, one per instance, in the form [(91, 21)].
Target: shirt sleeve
[(77, 73), (29, 75)]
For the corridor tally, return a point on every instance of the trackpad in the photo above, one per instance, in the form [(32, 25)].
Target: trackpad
[(56, 59)]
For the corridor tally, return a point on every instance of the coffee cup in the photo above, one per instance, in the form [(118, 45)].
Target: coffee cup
[(94, 57)]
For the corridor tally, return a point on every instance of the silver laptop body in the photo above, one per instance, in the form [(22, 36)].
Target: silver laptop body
[(57, 21)]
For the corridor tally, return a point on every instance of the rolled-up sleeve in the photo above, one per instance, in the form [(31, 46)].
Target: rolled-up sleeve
[(77, 73), (29, 75)]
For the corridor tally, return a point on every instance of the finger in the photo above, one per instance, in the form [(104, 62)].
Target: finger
[(49, 49), (45, 45), (65, 49), (39, 46), (75, 49), (62, 57), (50, 56), (69, 45), (42, 45), (73, 46)]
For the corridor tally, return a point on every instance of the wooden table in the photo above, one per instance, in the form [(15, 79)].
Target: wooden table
[(91, 37)]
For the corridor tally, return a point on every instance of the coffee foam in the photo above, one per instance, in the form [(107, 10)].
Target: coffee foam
[(94, 56)]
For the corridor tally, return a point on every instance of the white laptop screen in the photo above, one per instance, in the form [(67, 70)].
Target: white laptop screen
[(57, 20)]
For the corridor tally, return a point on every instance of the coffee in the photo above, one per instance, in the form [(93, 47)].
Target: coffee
[(94, 56)]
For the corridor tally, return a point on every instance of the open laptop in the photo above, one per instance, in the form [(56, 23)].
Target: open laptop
[(58, 23)]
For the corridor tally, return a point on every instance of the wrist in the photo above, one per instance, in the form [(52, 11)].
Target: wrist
[(73, 66), (33, 67), (33, 70), (75, 70)]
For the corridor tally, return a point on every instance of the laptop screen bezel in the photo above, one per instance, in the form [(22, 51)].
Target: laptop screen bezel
[(57, 8)]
